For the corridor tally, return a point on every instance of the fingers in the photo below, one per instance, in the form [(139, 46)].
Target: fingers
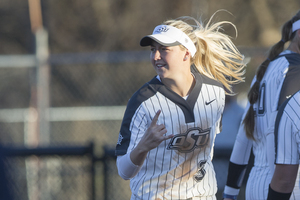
[(161, 129), (169, 136), (155, 118)]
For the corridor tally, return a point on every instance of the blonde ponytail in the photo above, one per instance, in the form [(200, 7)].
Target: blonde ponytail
[(216, 57)]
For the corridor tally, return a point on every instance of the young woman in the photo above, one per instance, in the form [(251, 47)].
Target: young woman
[(287, 143), (166, 140), (276, 80)]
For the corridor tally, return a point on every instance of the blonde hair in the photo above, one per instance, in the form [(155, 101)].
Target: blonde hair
[(216, 57)]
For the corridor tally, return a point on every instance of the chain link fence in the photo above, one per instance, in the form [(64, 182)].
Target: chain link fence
[(88, 93), (48, 178)]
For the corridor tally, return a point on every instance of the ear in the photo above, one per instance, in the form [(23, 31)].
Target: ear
[(187, 55), (298, 32)]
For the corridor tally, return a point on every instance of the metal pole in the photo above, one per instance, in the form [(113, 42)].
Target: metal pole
[(93, 177), (43, 79), (40, 94), (43, 72)]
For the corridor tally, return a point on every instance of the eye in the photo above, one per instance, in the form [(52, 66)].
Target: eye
[(165, 48)]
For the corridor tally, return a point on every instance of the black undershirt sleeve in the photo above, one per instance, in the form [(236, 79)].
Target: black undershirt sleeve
[(273, 195), (236, 175)]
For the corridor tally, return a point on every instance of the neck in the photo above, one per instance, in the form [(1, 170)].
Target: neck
[(294, 49), (182, 85), (294, 45)]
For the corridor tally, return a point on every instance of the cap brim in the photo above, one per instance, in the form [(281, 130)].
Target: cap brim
[(161, 39)]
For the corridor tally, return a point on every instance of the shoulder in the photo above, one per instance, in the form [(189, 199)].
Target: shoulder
[(148, 90), (204, 79), (144, 93), (285, 60), (293, 106), (293, 58), (291, 80), (290, 110)]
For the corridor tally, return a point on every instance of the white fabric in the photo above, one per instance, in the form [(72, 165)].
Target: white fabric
[(231, 191), (169, 35), (126, 168), (270, 142), (261, 174), (175, 169), (288, 133), (296, 25)]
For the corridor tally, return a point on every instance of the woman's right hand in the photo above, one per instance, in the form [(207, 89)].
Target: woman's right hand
[(153, 136)]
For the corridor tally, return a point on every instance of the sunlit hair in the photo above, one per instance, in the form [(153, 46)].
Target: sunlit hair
[(216, 57), (286, 35)]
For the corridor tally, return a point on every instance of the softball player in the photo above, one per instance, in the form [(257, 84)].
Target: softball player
[(287, 143), (166, 140), (276, 79)]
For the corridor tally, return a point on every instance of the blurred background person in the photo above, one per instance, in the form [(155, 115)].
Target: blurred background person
[(277, 78), (287, 143)]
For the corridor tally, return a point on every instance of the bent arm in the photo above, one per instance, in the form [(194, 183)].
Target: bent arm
[(155, 134), (284, 178), (126, 168), (238, 164), (237, 167), (283, 182), (130, 164)]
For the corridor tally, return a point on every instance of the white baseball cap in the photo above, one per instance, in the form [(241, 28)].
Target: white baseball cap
[(296, 26), (169, 36)]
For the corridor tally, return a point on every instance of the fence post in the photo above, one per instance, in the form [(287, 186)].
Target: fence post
[(108, 154), (93, 159)]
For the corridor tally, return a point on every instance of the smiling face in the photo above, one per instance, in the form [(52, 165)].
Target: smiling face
[(168, 62)]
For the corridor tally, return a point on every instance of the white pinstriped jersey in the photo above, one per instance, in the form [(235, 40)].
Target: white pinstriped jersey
[(287, 132), (287, 136), (181, 167), (270, 96)]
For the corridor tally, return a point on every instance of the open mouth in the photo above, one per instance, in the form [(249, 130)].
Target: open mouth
[(159, 66)]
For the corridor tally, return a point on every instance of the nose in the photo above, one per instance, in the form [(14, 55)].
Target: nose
[(156, 55)]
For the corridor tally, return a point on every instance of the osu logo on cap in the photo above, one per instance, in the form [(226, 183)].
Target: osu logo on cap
[(162, 29)]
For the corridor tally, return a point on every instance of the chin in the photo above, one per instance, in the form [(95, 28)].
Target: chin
[(162, 76)]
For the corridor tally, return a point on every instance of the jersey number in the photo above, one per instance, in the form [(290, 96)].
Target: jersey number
[(261, 100)]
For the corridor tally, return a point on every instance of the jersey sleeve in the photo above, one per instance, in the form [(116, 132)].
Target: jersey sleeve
[(287, 130), (133, 127), (290, 84), (238, 160), (242, 145), (126, 168), (220, 112)]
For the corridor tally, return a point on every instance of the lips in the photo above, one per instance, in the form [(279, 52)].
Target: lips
[(160, 65)]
